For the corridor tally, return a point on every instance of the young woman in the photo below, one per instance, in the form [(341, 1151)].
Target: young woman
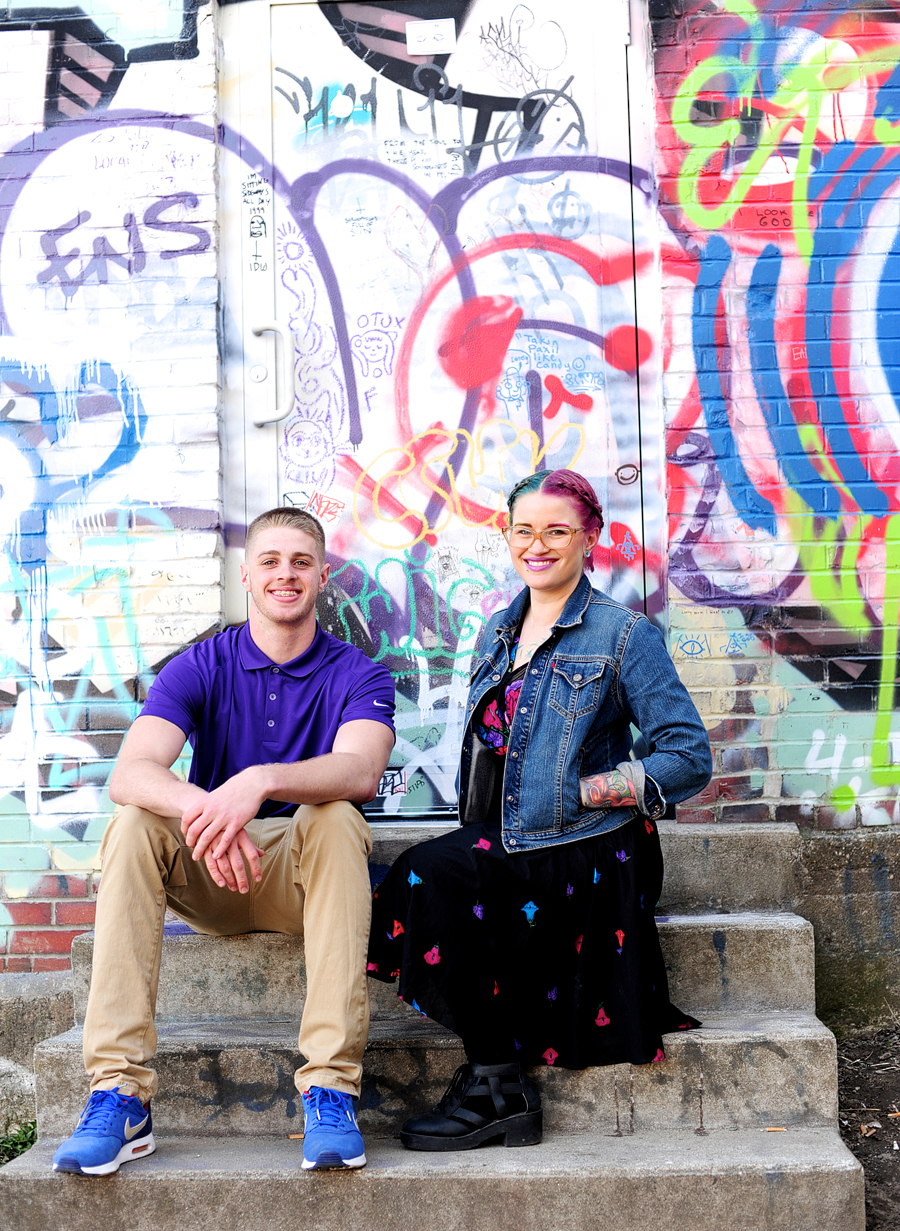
[(530, 931)]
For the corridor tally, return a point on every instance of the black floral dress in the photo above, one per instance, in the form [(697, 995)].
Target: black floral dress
[(548, 956)]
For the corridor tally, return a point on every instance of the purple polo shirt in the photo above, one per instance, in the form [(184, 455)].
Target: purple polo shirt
[(238, 708)]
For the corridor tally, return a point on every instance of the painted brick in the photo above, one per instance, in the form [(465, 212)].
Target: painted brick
[(692, 816), (16, 858), (746, 812), (52, 963), (736, 788), (17, 965), (75, 912), (801, 672), (30, 914), (828, 818), (28, 941), (800, 815), (14, 829)]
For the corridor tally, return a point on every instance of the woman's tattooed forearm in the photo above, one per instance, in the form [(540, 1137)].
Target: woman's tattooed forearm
[(612, 790)]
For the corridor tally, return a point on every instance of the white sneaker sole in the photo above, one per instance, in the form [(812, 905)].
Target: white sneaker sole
[(337, 1165), (131, 1149)]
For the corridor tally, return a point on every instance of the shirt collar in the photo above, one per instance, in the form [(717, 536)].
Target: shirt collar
[(253, 659)]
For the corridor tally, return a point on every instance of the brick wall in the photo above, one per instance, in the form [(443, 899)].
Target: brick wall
[(108, 444), (777, 175)]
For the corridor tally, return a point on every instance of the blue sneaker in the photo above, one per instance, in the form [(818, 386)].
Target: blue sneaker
[(331, 1135), (112, 1129)]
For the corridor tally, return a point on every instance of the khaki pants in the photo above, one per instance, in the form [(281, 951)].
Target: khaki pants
[(315, 883)]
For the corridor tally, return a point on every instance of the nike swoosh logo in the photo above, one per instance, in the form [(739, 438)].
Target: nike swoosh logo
[(381, 705), (130, 1129)]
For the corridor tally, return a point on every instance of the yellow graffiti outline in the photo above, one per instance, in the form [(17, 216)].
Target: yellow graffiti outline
[(452, 501)]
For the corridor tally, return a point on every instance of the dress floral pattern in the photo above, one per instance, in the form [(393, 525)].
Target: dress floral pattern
[(496, 716)]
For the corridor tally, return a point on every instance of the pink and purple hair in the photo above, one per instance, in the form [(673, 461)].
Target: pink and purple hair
[(570, 486)]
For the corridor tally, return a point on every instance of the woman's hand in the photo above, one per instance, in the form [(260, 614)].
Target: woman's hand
[(612, 790)]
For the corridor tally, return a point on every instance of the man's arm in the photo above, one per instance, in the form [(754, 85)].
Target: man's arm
[(143, 777), (352, 771), (143, 774)]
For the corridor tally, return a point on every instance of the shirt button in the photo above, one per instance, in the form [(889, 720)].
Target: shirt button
[(496, 677), (514, 754), (512, 841), (271, 722), (534, 670), (272, 696), (524, 709), (576, 678), (509, 799), (274, 670)]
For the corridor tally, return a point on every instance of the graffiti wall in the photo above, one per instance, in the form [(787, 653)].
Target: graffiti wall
[(463, 250), (459, 238), (487, 253), (109, 493), (779, 182)]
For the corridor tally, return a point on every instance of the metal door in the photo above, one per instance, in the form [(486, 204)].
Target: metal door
[(439, 275)]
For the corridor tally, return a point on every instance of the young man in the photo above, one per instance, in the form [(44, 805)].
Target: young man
[(278, 713)]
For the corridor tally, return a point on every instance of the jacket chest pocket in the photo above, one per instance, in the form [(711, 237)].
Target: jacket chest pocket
[(575, 688)]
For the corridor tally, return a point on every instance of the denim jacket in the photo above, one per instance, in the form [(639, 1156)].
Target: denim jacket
[(603, 668)]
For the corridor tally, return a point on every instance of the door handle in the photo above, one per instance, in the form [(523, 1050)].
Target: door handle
[(286, 405)]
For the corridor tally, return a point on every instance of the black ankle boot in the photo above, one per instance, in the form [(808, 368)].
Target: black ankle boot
[(483, 1102)]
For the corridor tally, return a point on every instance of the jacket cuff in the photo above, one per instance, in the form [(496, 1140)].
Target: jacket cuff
[(647, 795), (636, 775)]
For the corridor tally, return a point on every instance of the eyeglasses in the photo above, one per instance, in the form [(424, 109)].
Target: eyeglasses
[(553, 536)]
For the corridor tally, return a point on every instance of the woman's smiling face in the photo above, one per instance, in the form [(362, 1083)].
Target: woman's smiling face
[(552, 570)]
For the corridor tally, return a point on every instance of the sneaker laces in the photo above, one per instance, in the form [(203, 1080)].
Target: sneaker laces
[(100, 1109), (328, 1106)]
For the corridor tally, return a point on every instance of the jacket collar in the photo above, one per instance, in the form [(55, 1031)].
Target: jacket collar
[(572, 613)]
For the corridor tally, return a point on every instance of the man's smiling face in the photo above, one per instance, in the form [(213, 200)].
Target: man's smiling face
[(284, 575)]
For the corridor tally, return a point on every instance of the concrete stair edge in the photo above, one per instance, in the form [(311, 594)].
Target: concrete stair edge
[(734, 866), (742, 960), (232, 1077), (761, 1051), (801, 1181)]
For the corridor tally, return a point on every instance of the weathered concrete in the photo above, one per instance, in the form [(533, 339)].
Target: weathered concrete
[(33, 1007), (729, 867), (17, 1100), (237, 1077), (708, 867), (693, 1149), (739, 962), (715, 963), (849, 888), (798, 1181), (390, 840)]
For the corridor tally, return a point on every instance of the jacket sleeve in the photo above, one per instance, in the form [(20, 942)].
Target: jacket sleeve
[(650, 693)]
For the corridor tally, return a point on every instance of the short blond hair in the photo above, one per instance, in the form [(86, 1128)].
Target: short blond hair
[(291, 519)]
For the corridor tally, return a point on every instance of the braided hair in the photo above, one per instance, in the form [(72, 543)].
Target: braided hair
[(570, 486)]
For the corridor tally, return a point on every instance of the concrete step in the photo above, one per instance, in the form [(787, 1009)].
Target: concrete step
[(804, 1180), (715, 963), (237, 1078), (708, 867)]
